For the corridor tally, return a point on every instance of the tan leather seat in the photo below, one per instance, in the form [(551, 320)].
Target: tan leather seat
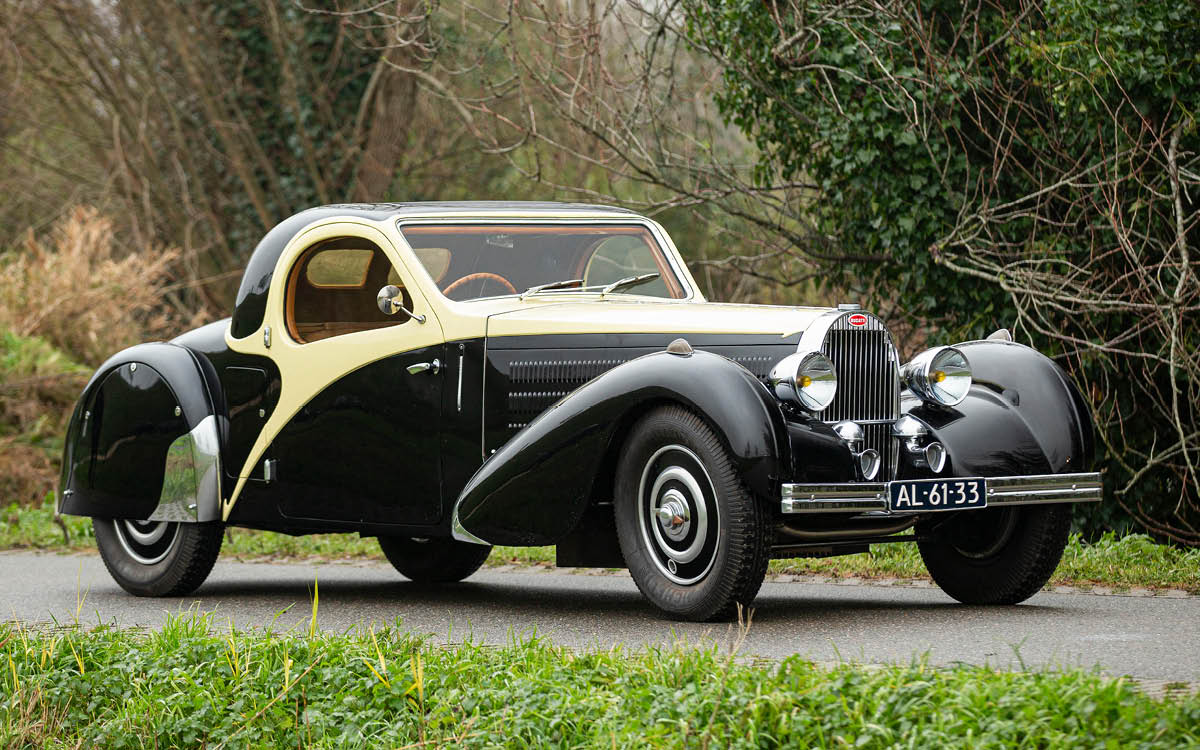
[(309, 332)]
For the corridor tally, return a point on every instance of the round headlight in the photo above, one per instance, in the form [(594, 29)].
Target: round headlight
[(940, 375), (806, 378)]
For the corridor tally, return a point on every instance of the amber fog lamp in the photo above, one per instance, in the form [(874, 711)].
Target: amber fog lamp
[(805, 378), (939, 376)]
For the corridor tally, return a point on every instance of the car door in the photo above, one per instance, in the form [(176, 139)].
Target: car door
[(363, 446)]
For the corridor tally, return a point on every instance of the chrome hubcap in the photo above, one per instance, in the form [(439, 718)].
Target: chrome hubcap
[(674, 515), (678, 514), (147, 542)]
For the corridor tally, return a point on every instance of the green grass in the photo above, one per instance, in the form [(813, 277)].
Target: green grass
[(193, 685), (1131, 561), (30, 356)]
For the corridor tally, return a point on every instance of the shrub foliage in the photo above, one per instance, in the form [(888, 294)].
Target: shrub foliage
[(1031, 164)]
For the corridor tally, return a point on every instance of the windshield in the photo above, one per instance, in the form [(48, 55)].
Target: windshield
[(473, 261)]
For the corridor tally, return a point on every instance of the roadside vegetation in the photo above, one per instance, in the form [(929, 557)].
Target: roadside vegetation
[(1113, 562), (194, 685)]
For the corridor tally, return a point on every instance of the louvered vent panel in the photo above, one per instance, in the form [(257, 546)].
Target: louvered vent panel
[(535, 384)]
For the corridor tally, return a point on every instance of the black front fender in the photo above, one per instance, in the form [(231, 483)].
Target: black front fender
[(1023, 415), (536, 487)]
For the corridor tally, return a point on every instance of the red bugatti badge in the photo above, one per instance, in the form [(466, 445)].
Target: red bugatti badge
[(858, 320)]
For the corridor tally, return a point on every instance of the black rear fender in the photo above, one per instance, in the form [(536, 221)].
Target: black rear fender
[(143, 441)]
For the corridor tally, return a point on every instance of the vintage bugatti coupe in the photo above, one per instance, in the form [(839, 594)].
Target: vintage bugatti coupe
[(451, 376)]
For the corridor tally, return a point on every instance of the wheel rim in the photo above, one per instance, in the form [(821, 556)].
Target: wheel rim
[(678, 514), (147, 542), (987, 536)]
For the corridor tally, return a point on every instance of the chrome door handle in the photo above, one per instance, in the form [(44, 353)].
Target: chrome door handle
[(420, 367)]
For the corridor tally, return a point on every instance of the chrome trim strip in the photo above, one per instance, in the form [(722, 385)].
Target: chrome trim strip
[(458, 399), (191, 490), (461, 534), (857, 497)]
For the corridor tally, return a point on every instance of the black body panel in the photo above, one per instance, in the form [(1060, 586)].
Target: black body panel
[(116, 446), (462, 415), (242, 385), (1023, 415), (537, 486), (818, 454), (366, 449), (528, 374)]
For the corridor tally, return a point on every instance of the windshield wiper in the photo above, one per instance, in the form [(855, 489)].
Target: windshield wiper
[(565, 283), (628, 281)]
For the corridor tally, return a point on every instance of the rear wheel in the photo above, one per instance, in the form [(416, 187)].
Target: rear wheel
[(158, 558), (695, 540), (427, 560), (997, 555)]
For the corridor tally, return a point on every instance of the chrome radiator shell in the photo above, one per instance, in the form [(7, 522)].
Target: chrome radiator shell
[(868, 371)]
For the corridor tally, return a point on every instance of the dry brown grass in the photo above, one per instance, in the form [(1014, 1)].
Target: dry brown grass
[(82, 294), (32, 721), (33, 418), (83, 298)]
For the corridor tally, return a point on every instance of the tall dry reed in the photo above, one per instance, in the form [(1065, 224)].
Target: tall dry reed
[(77, 290)]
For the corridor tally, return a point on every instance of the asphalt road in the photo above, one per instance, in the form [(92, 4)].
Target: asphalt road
[(1151, 638)]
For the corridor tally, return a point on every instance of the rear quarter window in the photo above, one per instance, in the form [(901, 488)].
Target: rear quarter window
[(344, 268)]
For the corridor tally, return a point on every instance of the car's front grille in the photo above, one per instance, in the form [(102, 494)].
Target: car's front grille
[(868, 389)]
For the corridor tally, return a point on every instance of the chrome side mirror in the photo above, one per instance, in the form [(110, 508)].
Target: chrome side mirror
[(390, 302)]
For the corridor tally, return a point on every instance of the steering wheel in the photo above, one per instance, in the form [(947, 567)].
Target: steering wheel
[(480, 275)]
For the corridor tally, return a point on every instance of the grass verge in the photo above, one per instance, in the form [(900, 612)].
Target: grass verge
[(190, 685), (1126, 562)]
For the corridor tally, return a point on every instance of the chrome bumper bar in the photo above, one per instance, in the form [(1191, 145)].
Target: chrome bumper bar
[(862, 497)]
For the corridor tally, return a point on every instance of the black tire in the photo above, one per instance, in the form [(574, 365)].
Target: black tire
[(997, 555), (701, 563), (433, 560), (158, 558)]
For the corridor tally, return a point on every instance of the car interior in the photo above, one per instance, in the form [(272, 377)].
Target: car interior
[(332, 287), (478, 261)]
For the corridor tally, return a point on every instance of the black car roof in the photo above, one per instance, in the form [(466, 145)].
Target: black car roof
[(378, 211)]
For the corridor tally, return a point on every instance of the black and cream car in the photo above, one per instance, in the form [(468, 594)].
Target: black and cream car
[(451, 376)]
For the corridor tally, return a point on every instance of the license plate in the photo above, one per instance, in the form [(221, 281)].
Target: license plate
[(937, 494)]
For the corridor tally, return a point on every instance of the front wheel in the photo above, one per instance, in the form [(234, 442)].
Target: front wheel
[(158, 558), (996, 555), (696, 541), (426, 560)]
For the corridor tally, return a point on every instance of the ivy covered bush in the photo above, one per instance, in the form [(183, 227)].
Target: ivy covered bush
[(1031, 165)]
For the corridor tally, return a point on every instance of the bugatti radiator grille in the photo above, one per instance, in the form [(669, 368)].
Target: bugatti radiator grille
[(868, 381)]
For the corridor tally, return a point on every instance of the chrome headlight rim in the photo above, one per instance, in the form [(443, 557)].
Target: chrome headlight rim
[(807, 379), (926, 375)]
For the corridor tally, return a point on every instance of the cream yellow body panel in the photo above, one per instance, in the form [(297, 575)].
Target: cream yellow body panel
[(584, 315)]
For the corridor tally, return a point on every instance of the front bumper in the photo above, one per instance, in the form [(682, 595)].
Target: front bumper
[(863, 497)]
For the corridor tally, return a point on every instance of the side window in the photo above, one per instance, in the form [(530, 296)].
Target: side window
[(331, 290), (341, 267)]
